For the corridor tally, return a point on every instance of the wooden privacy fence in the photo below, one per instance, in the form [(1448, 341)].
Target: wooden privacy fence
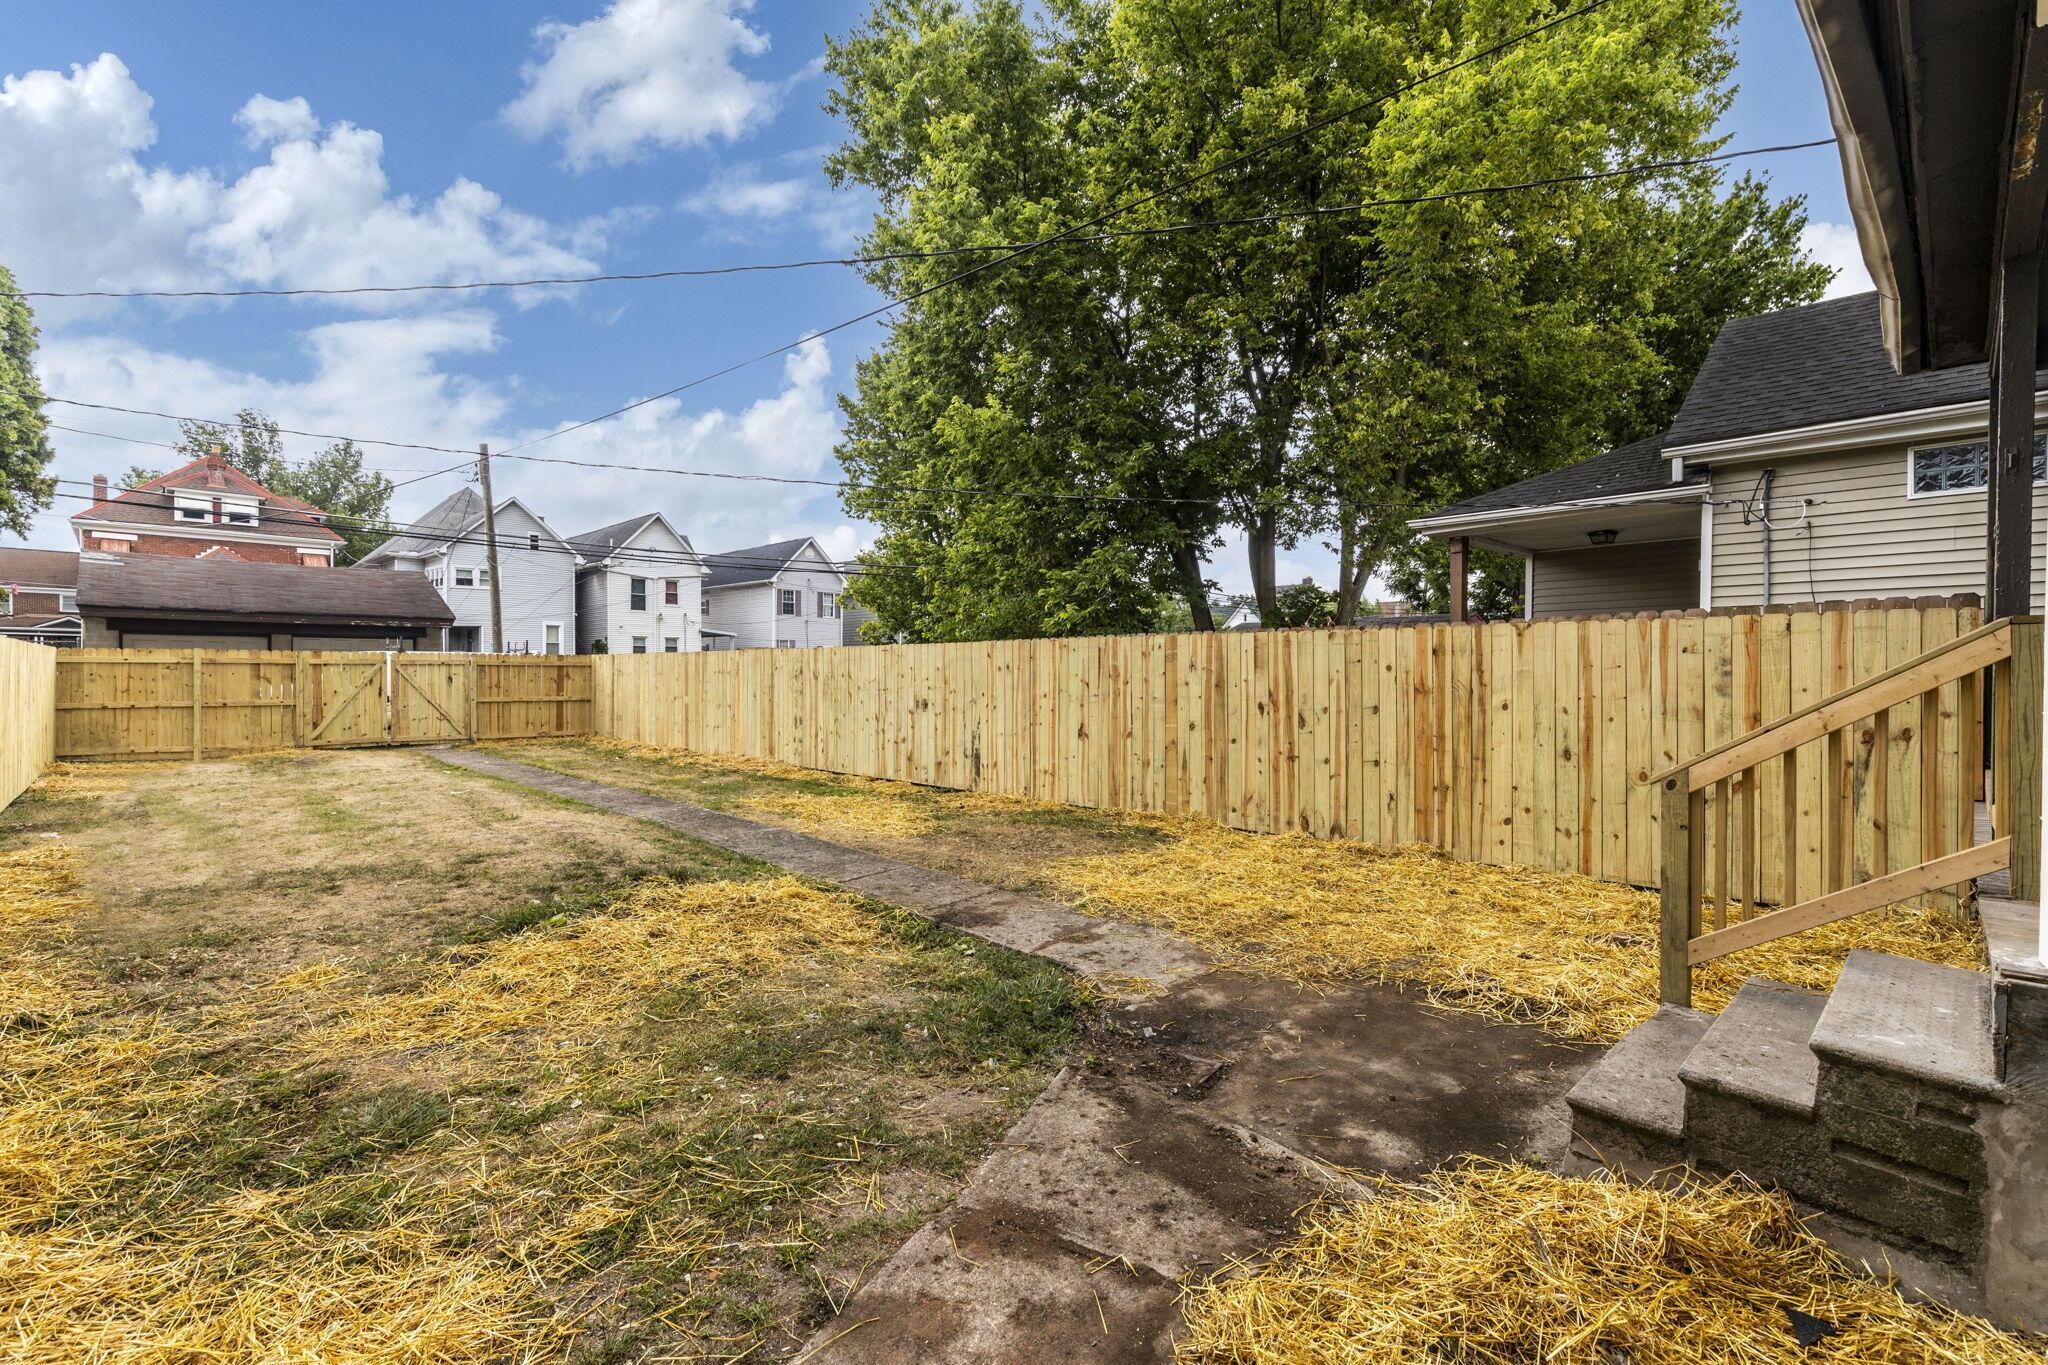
[(28, 688), (165, 703), (1528, 743)]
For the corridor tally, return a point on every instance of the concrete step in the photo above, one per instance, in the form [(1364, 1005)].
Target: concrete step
[(1907, 1070), (1915, 1021), (1628, 1112), (1750, 1084)]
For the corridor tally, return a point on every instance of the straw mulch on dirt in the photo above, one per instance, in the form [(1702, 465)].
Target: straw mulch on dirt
[(1577, 956), (1506, 1265)]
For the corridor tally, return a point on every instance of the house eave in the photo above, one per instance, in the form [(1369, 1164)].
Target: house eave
[(1479, 521), (1924, 424)]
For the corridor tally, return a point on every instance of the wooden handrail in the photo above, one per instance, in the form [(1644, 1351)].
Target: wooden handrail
[(1966, 654)]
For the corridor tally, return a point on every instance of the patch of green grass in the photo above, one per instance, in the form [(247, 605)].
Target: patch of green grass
[(328, 815), (371, 1125)]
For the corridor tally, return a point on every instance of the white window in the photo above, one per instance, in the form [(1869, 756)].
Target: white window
[(192, 513), (639, 644), (67, 601), (236, 516), (636, 594), (1964, 465), (671, 593), (828, 605), (532, 543), (465, 578), (791, 603), (785, 644), (707, 606), (551, 638), (671, 645), (6, 601), (483, 577)]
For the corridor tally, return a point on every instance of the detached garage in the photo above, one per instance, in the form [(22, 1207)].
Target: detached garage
[(160, 602)]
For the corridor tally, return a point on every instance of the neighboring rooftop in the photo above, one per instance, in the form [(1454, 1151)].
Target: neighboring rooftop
[(1809, 366), (431, 531), (600, 543), (755, 564), (38, 568), (1638, 467), (166, 586), (149, 504)]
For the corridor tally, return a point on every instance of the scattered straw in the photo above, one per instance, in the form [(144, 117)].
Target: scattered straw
[(1577, 956), (1501, 1265), (82, 781), (887, 817), (579, 979)]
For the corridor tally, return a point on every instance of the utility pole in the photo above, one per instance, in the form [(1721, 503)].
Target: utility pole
[(483, 470)]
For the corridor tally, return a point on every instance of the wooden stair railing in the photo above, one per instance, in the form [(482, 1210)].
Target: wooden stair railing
[(1712, 825)]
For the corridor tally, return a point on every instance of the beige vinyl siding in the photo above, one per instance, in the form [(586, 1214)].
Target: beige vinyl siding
[(1662, 575), (1864, 537)]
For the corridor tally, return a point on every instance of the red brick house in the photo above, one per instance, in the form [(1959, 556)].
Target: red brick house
[(208, 509)]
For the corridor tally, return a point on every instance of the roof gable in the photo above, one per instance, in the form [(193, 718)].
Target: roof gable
[(150, 503), (758, 563)]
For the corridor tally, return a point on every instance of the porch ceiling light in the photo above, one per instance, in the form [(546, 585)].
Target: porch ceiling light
[(1603, 537)]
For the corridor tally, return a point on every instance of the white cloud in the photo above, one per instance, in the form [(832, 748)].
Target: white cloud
[(644, 74), (264, 120), (85, 211), (400, 371), (1835, 245), (744, 199)]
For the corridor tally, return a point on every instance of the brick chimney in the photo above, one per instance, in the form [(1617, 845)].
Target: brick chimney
[(216, 462), (99, 488)]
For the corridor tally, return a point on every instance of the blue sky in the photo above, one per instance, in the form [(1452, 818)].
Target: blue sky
[(208, 145)]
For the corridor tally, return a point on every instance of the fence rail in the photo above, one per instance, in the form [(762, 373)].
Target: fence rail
[(181, 703), (1525, 743)]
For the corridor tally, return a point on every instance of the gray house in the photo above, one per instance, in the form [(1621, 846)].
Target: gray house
[(538, 567), (783, 595), (639, 588), (1801, 467)]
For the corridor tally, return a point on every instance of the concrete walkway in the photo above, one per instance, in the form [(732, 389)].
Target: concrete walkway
[(1214, 1109)]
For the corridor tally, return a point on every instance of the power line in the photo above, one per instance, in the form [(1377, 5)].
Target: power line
[(167, 445), (1231, 163), (255, 426), (935, 253)]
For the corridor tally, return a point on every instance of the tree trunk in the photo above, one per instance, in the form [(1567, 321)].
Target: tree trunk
[(1188, 569), (1261, 539)]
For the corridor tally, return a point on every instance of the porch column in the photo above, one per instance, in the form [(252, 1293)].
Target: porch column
[(2015, 307), (1460, 545)]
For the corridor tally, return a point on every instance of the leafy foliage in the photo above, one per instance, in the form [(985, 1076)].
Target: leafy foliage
[(1323, 378), (26, 485)]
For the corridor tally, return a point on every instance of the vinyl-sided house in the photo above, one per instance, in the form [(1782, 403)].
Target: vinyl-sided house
[(1801, 467), (783, 595), (39, 596), (206, 508), (639, 588), (537, 593)]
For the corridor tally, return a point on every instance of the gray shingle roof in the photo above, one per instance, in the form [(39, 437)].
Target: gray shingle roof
[(43, 568), (755, 564), (1638, 467), (431, 531), (601, 542), (1807, 366), (163, 585)]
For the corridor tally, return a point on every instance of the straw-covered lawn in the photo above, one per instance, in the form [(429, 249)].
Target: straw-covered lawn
[(1505, 1265), (359, 1058), (1577, 956)]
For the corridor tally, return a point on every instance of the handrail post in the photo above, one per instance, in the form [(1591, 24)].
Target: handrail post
[(1680, 893)]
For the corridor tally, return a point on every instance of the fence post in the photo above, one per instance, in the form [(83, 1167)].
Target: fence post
[(1680, 895), (2021, 749), (198, 704), (299, 699), (471, 669)]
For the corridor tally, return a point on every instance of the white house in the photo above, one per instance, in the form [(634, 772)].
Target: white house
[(639, 589), (784, 595), (536, 567)]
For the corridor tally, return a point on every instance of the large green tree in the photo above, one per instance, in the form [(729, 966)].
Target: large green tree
[(356, 499), (26, 484), (1323, 377)]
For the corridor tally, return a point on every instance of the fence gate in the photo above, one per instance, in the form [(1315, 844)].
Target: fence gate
[(351, 700)]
